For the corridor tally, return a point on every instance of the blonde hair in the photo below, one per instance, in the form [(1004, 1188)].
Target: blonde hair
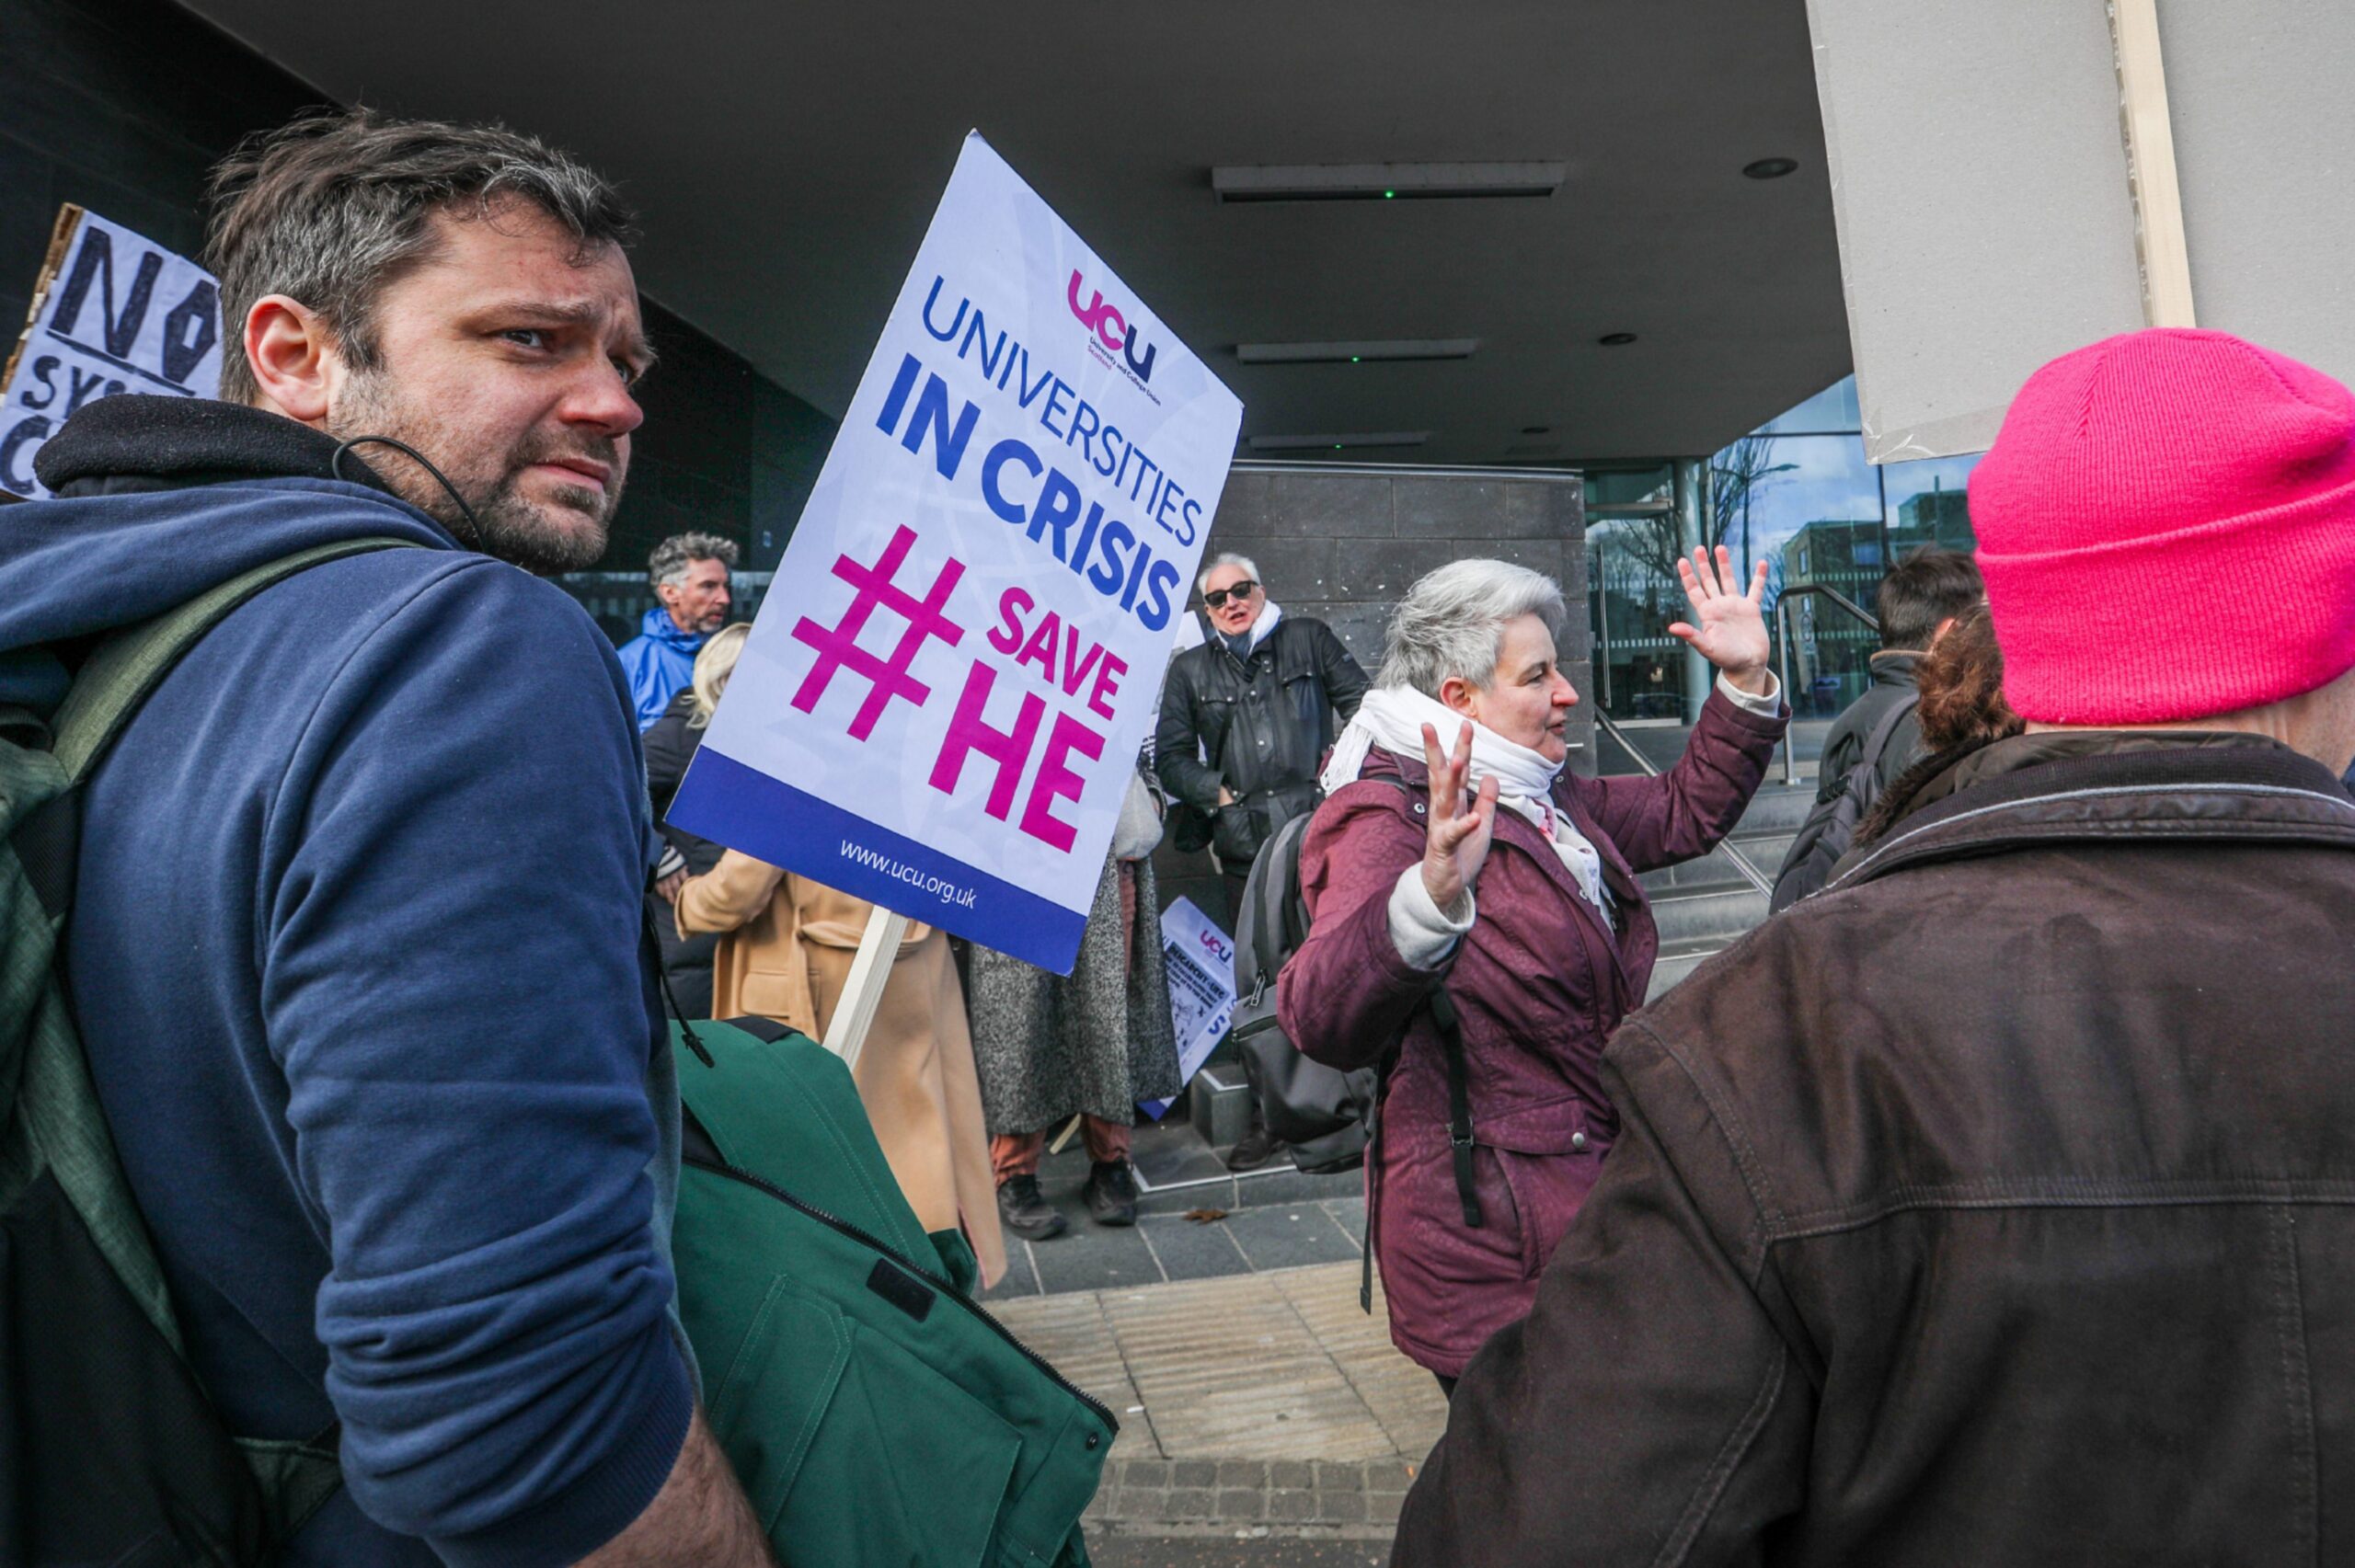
[(714, 665)]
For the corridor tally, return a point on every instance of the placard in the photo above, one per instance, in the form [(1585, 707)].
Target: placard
[(1984, 193), (1201, 989), (943, 696), (112, 312)]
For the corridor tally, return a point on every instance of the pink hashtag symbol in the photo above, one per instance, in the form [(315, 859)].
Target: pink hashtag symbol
[(839, 649)]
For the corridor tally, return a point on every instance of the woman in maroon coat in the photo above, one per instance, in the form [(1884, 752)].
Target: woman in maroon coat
[(1556, 952)]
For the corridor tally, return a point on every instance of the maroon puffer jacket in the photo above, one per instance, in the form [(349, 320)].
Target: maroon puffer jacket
[(1540, 983)]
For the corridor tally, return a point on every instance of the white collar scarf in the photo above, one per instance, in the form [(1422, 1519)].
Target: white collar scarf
[(1393, 718), (1269, 613)]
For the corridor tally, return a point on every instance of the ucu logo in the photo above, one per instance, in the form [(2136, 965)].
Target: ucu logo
[(1111, 329), (1219, 950)]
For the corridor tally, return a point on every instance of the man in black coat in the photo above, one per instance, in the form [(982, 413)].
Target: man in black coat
[(1246, 719), (1918, 600)]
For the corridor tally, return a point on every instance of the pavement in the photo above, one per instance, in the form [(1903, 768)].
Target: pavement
[(1270, 1218), (1253, 1406), (1162, 1249), (1245, 1550)]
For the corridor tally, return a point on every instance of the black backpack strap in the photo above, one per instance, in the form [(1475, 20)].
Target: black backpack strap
[(1459, 1104), (121, 671), (57, 1095), (1459, 1133), (1885, 731)]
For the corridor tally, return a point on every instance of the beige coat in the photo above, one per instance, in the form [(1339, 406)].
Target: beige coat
[(785, 952)]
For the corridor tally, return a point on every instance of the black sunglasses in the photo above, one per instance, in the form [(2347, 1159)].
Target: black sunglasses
[(1240, 592)]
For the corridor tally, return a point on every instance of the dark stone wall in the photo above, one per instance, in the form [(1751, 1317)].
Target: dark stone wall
[(122, 106), (1342, 545)]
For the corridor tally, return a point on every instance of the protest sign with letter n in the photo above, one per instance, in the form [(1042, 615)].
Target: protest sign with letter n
[(943, 699), (112, 313)]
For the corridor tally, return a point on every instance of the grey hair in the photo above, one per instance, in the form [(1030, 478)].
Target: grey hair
[(1452, 623), (1227, 558), (328, 208), (672, 558)]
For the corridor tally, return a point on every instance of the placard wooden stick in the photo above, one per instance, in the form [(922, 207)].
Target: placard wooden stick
[(863, 992), (2150, 160)]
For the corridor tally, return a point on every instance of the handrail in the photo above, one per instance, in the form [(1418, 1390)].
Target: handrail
[(1741, 863), (1782, 635)]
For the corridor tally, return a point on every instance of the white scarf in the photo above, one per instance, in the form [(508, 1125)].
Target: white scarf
[(1269, 613), (1393, 718)]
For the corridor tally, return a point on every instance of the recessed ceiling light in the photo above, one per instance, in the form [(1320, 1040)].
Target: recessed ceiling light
[(1537, 429), (1770, 168), (1354, 353), (1336, 442), (1617, 339), (1384, 182)]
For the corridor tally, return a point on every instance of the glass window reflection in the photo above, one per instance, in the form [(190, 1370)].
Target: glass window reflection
[(1796, 493)]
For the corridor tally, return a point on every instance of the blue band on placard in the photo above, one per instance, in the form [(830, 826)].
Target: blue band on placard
[(723, 800)]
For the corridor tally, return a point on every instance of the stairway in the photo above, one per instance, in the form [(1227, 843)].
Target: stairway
[(1705, 905)]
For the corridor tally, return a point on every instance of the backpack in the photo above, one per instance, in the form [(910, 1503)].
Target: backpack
[(1330, 1120), (1830, 826), (874, 1412), (110, 1451)]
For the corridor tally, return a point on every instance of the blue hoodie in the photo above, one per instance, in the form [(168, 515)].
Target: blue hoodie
[(660, 661), (355, 952)]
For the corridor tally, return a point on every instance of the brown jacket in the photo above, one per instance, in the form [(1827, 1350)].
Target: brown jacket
[(787, 954), (1994, 1206)]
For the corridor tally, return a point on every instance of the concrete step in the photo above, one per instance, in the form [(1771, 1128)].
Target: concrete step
[(1717, 869), (1718, 915), (1678, 961), (1662, 744), (1777, 808), (1181, 1163)]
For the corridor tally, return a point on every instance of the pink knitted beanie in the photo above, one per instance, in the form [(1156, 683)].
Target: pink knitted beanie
[(2166, 526)]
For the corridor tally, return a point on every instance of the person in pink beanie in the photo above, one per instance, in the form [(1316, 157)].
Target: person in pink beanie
[(1996, 1205)]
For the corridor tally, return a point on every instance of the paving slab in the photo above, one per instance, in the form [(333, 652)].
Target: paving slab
[(1241, 1380), (1071, 1334), (1021, 1277), (1292, 1235), (1189, 1251), (1095, 1257)]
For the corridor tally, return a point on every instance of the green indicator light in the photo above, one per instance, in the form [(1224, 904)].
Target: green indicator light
[(1337, 446), (1389, 194), (1353, 359)]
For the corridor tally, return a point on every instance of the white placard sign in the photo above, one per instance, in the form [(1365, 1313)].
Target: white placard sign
[(112, 312), (943, 696), (1201, 989)]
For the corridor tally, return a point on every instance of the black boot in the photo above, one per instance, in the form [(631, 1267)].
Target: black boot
[(1111, 1192), (1252, 1150), (1024, 1212)]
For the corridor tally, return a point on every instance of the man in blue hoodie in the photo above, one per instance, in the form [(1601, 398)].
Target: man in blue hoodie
[(689, 573), (356, 949)]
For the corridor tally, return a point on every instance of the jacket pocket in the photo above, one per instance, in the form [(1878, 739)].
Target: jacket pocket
[(814, 1413), (1237, 833), (1550, 1159)]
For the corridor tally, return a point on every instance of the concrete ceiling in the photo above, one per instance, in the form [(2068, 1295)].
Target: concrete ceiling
[(786, 157)]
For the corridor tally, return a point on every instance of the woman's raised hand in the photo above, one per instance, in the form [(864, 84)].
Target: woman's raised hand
[(1457, 845), (1733, 632)]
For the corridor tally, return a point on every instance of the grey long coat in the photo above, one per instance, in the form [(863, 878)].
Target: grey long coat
[(1048, 1048)]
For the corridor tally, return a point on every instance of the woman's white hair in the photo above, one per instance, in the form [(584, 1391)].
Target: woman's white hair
[(1452, 623), (714, 665), (1227, 558)]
